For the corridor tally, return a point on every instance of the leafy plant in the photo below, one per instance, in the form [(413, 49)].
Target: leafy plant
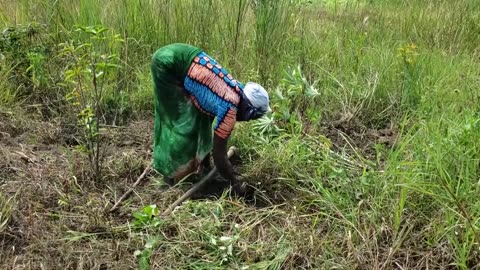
[(27, 49), (37, 68), (147, 217), (266, 126), (293, 104), (145, 254), (89, 72)]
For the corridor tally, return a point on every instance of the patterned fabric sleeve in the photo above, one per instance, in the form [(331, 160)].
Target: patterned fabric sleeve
[(214, 92)]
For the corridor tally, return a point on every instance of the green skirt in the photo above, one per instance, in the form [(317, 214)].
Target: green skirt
[(183, 135)]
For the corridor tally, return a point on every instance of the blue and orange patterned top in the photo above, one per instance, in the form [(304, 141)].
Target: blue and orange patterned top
[(214, 92)]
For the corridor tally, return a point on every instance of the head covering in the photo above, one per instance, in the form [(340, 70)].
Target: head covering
[(257, 96)]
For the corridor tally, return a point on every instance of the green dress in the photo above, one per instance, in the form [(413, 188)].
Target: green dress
[(191, 90)]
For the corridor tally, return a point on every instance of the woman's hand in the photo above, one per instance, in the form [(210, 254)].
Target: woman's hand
[(220, 159), (225, 168)]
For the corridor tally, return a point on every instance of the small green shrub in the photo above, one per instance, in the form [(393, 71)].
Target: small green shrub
[(91, 62)]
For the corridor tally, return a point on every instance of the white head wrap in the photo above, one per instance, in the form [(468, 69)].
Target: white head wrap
[(257, 95)]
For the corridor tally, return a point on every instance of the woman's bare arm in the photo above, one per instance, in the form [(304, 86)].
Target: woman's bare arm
[(221, 161)]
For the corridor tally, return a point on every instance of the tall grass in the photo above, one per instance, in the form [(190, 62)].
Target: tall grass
[(411, 67)]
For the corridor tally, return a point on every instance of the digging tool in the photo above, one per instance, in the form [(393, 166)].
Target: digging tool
[(198, 185)]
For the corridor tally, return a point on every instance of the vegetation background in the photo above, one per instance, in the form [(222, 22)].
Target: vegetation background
[(371, 159)]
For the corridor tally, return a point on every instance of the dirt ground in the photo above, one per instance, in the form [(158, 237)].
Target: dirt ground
[(53, 199), (51, 195)]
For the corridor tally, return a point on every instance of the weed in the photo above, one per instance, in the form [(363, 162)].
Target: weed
[(88, 76)]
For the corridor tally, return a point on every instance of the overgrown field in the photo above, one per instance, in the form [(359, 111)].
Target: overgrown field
[(371, 159)]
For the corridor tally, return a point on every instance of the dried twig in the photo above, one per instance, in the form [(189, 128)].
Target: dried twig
[(139, 179), (24, 157)]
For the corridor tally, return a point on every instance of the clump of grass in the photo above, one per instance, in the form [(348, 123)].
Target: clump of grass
[(5, 212), (8, 94)]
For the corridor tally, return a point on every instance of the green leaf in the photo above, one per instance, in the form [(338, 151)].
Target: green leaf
[(113, 65), (151, 210), (140, 216), (144, 262)]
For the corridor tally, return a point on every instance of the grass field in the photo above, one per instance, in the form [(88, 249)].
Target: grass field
[(371, 159)]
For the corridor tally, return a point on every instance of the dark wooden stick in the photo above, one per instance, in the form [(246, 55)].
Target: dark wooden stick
[(197, 186), (126, 194)]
